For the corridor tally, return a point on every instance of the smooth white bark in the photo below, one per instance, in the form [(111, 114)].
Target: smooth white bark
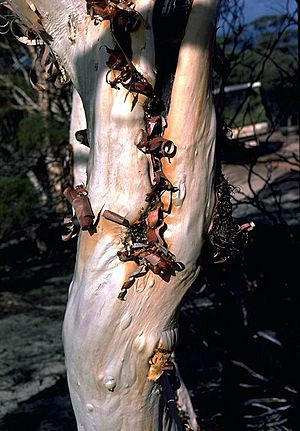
[(80, 152), (108, 342)]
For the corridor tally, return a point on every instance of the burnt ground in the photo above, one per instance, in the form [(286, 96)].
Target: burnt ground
[(239, 344)]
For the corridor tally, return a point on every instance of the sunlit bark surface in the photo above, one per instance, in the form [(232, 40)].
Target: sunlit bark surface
[(108, 343)]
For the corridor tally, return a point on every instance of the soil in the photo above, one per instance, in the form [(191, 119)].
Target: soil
[(239, 345)]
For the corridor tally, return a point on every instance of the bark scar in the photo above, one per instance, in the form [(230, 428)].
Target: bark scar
[(159, 362), (72, 29)]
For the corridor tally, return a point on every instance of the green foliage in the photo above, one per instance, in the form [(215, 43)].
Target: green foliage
[(18, 199), (37, 135), (252, 111), (58, 133), (34, 125), (31, 134)]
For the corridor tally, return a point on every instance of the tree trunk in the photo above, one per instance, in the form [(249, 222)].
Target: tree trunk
[(80, 151), (109, 344)]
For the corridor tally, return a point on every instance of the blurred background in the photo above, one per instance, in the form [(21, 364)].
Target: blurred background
[(239, 338)]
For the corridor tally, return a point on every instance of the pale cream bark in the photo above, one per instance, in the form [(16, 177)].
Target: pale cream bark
[(80, 152), (108, 343)]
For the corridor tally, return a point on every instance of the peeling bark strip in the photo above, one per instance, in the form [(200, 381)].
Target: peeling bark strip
[(80, 202), (123, 20), (144, 243), (35, 35), (108, 343), (226, 237)]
